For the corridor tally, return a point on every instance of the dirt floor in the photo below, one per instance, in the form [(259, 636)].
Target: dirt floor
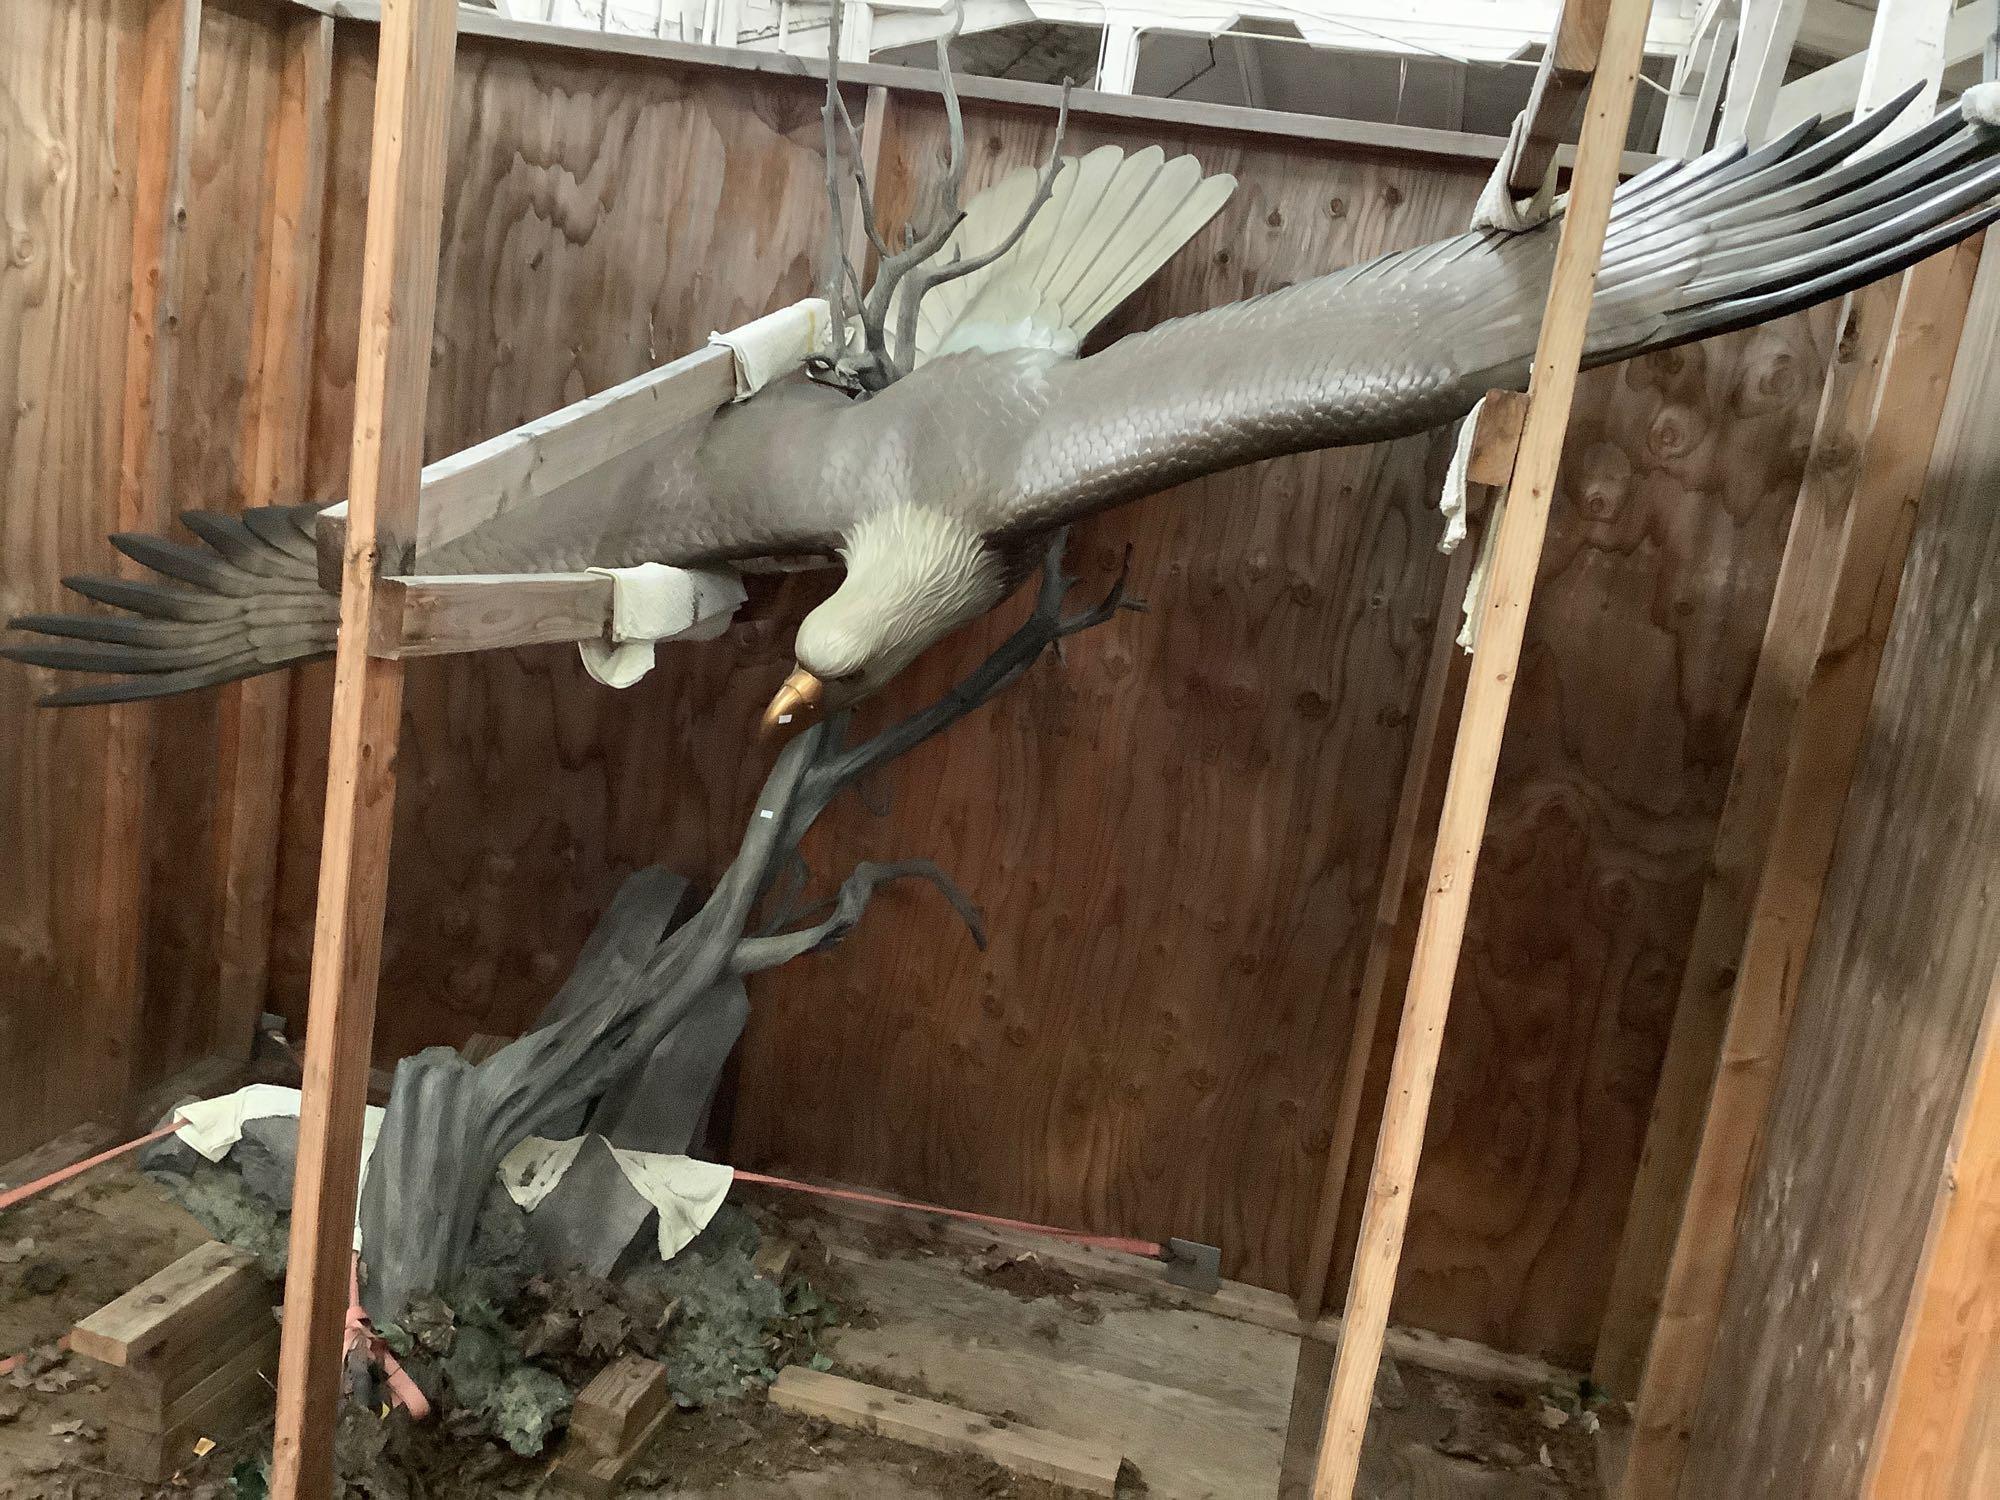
[(1199, 1404)]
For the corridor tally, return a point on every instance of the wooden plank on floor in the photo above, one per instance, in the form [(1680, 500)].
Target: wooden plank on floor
[(1195, 1402), (437, 616), (1090, 1467)]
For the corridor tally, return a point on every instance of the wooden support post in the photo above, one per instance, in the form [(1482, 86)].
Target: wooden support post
[(1935, 1439), (1558, 91), (1490, 466), (1521, 525), (413, 94), (169, 55), (1885, 430), (253, 712)]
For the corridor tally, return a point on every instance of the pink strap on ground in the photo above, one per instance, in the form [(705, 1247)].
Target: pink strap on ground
[(28, 1190), (361, 1334), (1151, 1249)]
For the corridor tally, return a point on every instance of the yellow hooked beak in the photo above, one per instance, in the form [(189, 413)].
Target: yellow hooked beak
[(796, 703)]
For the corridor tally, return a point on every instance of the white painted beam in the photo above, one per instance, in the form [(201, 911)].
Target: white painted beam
[(1765, 38), (1920, 33), (1697, 84)]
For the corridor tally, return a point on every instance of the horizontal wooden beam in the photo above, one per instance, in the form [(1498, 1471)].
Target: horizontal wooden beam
[(612, 438), (441, 615)]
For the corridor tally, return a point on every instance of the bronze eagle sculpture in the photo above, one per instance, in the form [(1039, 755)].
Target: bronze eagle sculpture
[(955, 425)]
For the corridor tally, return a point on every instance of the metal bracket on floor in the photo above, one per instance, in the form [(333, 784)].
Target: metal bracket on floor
[(1195, 1266)]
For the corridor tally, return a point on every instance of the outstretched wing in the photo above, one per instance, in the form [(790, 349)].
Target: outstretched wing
[(248, 602), (1410, 341), (1111, 221)]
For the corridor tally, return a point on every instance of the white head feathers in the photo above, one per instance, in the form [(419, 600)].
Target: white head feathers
[(913, 575)]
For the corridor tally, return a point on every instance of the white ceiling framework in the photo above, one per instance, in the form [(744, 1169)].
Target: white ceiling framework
[(1719, 68)]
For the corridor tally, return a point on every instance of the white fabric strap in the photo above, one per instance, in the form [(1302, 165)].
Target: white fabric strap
[(652, 603), (1455, 502), (1497, 207), (771, 347)]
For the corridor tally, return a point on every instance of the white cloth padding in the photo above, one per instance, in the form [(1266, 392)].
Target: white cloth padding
[(1497, 207), (653, 602), (685, 1191), (776, 344), (212, 1126), (1455, 503), (532, 1169), (1981, 104)]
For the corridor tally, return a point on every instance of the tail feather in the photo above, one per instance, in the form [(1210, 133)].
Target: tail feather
[(248, 601)]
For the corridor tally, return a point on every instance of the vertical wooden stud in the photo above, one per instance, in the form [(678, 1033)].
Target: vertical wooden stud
[(253, 712), (413, 94), (168, 60), (1520, 527), (1937, 1436), (1895, 424), (1437, 719)]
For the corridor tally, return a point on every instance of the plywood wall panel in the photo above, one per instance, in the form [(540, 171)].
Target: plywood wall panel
[(599, 220), (236, 92), (1890, 1004), (66, 166), (1672, 507)]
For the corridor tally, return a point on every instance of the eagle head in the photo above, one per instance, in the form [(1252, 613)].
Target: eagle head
[(914, 575)]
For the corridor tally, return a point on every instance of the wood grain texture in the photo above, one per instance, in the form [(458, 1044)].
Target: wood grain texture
[(161, 85), (1939, 1436), (588, 233), (250, 768), (228, 245), (1890, 1002), (409, 142), (1518, 526), (1828, 734), (63, 306)]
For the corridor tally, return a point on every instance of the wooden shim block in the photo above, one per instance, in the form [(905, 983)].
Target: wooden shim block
[(1496, 440), (154, 1382), (222, 1407), (1090, 1467), (773, 1260), (435, 616), (188, 1295), (618, 1405), (158, 1398)]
